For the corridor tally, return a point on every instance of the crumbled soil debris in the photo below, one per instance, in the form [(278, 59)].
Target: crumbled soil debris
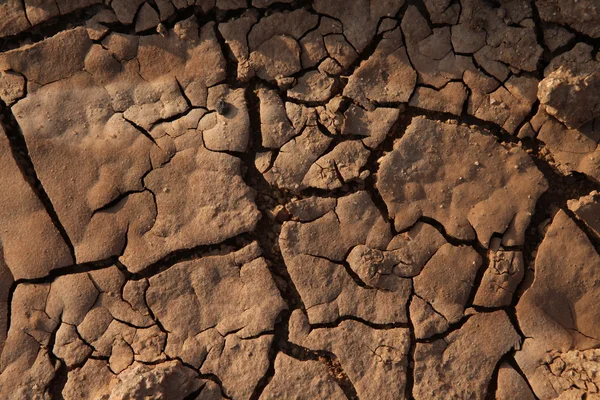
[(299, 199)]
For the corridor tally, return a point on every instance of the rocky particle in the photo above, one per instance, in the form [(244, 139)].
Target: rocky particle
[(301, 380), (587, 209), (229, 128), (385, 77), (557, 313), (416, 180), (461, 364)]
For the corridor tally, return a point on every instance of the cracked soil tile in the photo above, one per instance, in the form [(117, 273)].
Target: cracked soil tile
[(460, 177), (310, 199)]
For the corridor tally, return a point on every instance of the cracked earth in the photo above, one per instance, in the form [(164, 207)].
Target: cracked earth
[(296, 199)]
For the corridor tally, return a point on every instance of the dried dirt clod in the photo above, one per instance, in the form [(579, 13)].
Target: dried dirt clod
[(449, 99), (232, 340), (505, 270), (572, 149), (581, 15), (587, 209), (556, 314), (386, 76), (31, 244), (445, 290), (511, 385), (460, 177), (571, 93), (461, 364), (295, 379), (375, 360)]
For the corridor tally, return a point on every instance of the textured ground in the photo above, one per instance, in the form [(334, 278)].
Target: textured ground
[(295, 199)]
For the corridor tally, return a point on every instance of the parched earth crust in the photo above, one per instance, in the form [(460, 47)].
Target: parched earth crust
[(299, 199)]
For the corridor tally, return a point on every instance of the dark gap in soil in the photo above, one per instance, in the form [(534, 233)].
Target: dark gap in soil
[(58, 382), (493, 383), (20, 153), (50, 27), (440, 336), (410, 362), (513, 363), (337, 322), (329, 359), (227, 246)]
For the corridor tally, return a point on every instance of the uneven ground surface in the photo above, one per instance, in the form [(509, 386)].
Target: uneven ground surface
[(326, 199)]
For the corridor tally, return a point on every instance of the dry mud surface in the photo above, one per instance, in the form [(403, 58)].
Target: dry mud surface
[(295, 199)]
